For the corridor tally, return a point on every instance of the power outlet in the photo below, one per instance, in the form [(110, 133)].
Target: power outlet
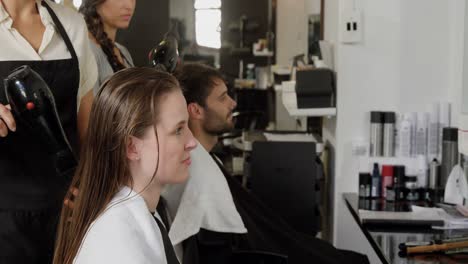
[(351, 27)]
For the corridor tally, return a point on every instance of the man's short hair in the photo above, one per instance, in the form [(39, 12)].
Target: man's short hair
[(197, 80)]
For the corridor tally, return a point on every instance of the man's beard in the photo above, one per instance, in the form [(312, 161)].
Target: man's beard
[(217, 125)]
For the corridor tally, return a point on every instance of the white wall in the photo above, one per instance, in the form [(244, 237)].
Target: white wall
[(410, 56)]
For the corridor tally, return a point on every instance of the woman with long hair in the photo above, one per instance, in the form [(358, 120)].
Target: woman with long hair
[(138, 141), (104, 18)]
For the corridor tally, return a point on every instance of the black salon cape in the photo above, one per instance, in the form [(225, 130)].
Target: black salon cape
[(267, 232)]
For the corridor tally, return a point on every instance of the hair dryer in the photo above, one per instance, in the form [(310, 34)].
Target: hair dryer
[(165, 55), (33, 106)]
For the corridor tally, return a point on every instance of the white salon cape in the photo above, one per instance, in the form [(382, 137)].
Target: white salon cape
[(204, 201), (125, 233)]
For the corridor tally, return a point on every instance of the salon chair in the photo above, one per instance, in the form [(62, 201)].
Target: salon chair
[(284, 175), (258, 257)]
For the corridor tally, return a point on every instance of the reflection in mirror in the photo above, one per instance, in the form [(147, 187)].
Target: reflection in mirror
[(315, 28), (222, 32), (247, 39), (198, 24), (314, 36)]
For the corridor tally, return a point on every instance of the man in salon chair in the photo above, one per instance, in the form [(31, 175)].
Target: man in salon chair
[(213, 216)]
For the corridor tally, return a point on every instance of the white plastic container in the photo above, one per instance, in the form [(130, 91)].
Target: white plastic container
[(422, 171), (414, 120), (433, 133), (404, 136), (444, 121), (421, 133)]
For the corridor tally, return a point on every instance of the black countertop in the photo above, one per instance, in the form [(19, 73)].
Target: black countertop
[(385, 239)]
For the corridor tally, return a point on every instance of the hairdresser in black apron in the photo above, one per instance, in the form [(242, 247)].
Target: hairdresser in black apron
[(31, 193)]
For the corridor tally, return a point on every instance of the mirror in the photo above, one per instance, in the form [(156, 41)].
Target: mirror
[(315, 27), (221, 32), (198, 24)]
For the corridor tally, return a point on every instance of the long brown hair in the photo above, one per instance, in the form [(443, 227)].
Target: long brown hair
[(96, 28), (125, 106)]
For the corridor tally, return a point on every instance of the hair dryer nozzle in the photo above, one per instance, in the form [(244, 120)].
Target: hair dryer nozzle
[(165, 55)]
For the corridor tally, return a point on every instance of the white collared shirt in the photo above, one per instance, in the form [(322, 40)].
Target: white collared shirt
[(15, 47)]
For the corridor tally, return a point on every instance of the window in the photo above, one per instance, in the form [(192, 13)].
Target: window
[(208, 23)]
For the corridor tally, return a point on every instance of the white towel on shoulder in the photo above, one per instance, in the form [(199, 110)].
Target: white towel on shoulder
[(204, 201)]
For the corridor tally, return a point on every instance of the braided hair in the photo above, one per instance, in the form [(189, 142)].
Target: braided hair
[(96, 28)]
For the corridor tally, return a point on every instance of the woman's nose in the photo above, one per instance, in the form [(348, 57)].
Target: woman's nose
[(191, 143)]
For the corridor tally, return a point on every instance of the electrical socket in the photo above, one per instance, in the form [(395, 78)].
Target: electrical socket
[(351, 27)]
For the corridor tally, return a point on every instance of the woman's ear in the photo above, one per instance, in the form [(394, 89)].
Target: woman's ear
[(195, 111), (133, 148)]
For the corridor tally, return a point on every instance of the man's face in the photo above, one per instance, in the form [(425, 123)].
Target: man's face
[(218, 110)]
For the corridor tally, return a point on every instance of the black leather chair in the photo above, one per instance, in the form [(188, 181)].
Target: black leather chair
[(283, 175), (257, 257)]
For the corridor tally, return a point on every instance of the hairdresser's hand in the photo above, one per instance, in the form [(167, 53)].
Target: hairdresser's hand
[(69, 202), (7, 122)]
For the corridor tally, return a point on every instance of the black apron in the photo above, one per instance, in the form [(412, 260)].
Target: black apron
[(31, 194)]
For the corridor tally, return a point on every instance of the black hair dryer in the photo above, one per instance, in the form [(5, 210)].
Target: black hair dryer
[(33, 107), (165, 55)]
